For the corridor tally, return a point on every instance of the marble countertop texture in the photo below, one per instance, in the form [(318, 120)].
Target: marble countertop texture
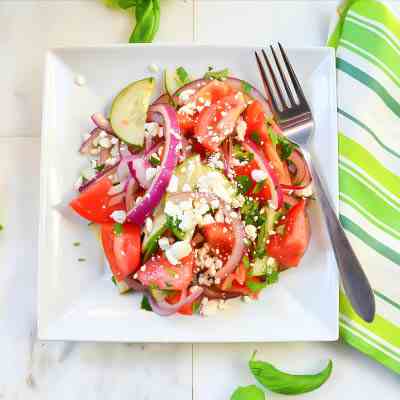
[(30, 369)]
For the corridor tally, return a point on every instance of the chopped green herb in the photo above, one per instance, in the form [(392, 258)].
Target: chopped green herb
[(145, 305), (154, 160), (241, 154), (259, 186), (196, 307), (286, 146), (210, 68), (100, 167), (273, 136), (219, 75), (251, 212), (76, 244), (173, 225), (246, 87), (255, 137), (243, 183), (246, 262), (255, 286), (118, 228), (114, 280), (183, 76), (262, 236), (272, 277), (81, 259)]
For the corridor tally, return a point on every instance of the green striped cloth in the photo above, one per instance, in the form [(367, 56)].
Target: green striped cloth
[(367, 39)]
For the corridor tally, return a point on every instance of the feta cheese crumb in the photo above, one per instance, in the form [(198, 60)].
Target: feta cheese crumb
[(148, 224), (219, 217), (208, 219), (173, 184), (215, 204), (181, 249), (105, 142), (241, 128), (251, 232), (259, 175), (89, 173), (185, 95), (163, 243), (151, 173), (118, 216)]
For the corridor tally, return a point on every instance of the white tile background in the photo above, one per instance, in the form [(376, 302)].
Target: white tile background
[(31, 370)]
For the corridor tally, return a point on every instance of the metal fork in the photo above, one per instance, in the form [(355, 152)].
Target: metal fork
[(295, 118)]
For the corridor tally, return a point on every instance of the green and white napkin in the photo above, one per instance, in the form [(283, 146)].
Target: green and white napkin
[(367, 39)]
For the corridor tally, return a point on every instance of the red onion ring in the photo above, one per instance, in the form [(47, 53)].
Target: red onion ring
[(130, 189), (237, 228), (214, 293), (163, 308), (156, 117), (102, 122), (159, 184), (134, 284), (106, 171), (87, 144), (273, 181)]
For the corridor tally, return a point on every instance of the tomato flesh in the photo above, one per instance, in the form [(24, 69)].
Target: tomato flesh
[(219, 236), (290, 247), (160, 272), (122, 250), (93, 203), (174, 298)]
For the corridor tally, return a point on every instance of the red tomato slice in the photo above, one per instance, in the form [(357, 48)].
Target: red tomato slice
[(122, 250), (243, 289), (219, 236), (255, 119), (160, 272), (218, 121), (239, 276), (94, 202), (186, 309), (290, 247)]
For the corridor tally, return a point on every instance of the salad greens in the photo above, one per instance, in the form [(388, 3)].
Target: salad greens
[(219, 75), (281, 382)]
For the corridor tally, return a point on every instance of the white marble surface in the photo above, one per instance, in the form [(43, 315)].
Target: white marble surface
[(31, 370)]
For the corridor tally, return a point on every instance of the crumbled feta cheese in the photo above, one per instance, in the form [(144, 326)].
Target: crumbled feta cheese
[(189, 108), (214, 161), (170, 256), (184, 96), (153, 68), (202, 209), (93, 163), (251, 232), (180, 249), (88, 173), (173, 184), (103, 134), (163, 243), (259, 175), (118, 216), (151, 128), (148, 224), (186, 205), (186, 188), (188, 221), (215, 204), (219, 216), (238, 201), (105, 142), (114, 140), (172, 209), (208, 219), (143, 268), (241, 128), (151, 173)]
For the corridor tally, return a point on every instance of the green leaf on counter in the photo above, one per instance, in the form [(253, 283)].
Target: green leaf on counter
[(251, 392), (281, 382)]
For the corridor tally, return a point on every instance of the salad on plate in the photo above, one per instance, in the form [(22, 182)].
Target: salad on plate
[(198, 195)]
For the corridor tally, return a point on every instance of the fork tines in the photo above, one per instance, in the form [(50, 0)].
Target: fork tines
[(289, 109)]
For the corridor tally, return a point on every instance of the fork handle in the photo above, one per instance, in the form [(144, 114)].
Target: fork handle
[(354, 280)]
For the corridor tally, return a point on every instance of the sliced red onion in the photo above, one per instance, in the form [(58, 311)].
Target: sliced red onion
[(148, 142), (154, 116), (303, 175), (130, 189), (273, 181), (227, 150), (137, 168), (106, 171), (88, 143), (152, 198), (235, 83), (134, 284), (237, 228), (102, 122), (216, 293), (104, 155), (163, 308)]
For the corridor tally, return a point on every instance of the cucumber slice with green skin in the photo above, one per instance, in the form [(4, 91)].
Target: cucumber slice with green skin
[(174, 80), (264, 266), (129, 111)]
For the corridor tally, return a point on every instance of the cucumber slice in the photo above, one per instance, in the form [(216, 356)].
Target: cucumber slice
[(264, 266), (174, 80), (194, 173), (129, 111)]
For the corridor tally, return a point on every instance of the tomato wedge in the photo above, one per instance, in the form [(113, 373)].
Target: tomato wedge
[(160, 272), (219, 236), (173, 298), (255, 119), (94, 202), (122, 250), (290, 247)]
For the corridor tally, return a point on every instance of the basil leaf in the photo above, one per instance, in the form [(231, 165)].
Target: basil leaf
[(255, 137), (147, 14), (284, 383), (261, 239), (242, 155), (154, 161), (173, 226), (251, 392), (272, 277), (246, 87), (183, 76), (125, 4), (111, 3), (243, 183), (100, 167), (256, 286), (145, 305), (259, 186), (118, 228), (114, 281), (219, 75)]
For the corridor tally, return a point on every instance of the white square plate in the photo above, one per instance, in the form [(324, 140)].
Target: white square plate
[(77, 300)]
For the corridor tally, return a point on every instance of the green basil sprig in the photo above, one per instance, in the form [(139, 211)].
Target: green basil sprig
[(251, 392), (284, 383), (147, 13)]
